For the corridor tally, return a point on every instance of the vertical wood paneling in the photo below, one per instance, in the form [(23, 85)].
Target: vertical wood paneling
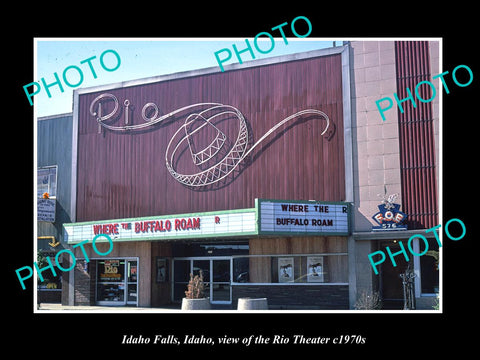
[(261, 267), (417, 158), (160, 292), (123, 174)]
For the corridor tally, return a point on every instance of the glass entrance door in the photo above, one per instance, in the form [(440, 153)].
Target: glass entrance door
[(116, 282), (221, 282), (204, 267), (216, 277)]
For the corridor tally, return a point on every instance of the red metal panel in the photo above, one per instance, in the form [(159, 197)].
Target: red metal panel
[(417, 158), (123, 174)]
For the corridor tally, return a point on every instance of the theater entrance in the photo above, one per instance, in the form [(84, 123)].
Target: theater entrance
[(217, 277)]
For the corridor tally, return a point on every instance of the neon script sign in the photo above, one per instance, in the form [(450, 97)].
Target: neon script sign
[(213, 161)]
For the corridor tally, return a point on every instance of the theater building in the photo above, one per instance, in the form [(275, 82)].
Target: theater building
[(262, 176)]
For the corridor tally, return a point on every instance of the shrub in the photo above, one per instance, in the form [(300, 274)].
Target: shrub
[(368, 301), (195, 287)]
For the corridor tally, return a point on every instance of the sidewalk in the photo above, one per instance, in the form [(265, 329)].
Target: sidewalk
[(60, 307), (123, 309)]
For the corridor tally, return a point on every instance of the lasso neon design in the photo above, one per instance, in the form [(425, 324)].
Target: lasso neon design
[(221, 169)]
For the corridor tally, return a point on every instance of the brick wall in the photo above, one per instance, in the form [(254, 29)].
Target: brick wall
[(84, 283), (49, 296), (324, 297)]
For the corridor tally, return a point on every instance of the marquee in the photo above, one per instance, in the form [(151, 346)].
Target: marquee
[(303, 217), (268, 217), (168, 227)]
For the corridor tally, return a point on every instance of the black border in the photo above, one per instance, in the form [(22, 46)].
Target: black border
[(94, 335)]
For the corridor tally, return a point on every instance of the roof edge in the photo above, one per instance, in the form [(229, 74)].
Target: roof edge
[(215, 69)]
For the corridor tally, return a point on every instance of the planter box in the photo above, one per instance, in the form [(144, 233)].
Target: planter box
[(196, 304), (252, 304)]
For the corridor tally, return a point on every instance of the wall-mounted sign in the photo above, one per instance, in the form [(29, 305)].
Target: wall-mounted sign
[(214, 160), (303, 218), (111, 271), (46, 210), (389, 217), (201, 225)]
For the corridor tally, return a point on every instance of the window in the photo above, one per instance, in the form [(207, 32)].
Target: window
[(291, 269), (131, 282), (50, 281), (111, 280), (47, 181)]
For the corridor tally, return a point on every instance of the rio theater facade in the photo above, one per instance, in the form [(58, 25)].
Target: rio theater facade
[(246, 175)]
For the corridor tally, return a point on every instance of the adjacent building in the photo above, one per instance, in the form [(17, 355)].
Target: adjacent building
[(54, 170)]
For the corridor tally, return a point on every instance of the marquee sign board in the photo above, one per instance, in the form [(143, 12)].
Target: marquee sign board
[(269, 217), (277, 217), (168, 227)]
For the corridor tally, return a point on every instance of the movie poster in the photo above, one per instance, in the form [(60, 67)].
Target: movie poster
[(315, 269), (285, 270)]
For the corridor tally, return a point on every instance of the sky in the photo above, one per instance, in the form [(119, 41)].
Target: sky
[(139, 58)]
